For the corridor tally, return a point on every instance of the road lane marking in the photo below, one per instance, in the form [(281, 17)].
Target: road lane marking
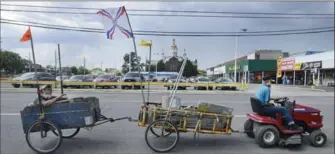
[(17, 114), (10, 114)]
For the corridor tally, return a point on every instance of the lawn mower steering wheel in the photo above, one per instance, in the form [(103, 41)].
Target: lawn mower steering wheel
[(281, 100)]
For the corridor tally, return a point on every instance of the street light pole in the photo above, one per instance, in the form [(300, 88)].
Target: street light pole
[(235, 61)]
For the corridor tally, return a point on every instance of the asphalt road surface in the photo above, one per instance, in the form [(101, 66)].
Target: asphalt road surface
[(127, 137)]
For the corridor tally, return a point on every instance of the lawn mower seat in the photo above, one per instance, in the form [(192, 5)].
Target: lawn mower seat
[(258, 108)]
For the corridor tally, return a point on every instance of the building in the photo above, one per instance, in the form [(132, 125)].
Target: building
[(173, 62), (307, 68), (250, 68)]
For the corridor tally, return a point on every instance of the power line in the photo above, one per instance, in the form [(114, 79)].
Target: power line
[(170, 15), (182, 35), (171, 11), (173, 32)]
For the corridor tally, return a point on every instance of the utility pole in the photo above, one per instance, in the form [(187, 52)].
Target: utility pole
[(55, 63), (84, 65)]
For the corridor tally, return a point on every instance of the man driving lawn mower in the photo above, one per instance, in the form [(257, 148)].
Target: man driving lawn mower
[(263, 94)]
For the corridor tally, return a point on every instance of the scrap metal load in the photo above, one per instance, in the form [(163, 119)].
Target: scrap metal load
[(203, 118)]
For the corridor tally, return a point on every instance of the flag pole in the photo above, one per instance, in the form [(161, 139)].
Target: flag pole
[(136, 57), (37, 84), (149, 70), (60, 70)]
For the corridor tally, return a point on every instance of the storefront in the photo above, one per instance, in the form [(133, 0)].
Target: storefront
[(317, 69), (252, 71)]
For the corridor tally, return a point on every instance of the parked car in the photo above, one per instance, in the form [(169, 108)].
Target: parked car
[(172, 79), (31, 76), (106, 78), (74, 78), (64, 77), (192, 79), (225, 80), (203, 80), (132, 77)]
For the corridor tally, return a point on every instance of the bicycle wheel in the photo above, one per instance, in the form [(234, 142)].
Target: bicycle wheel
[(68, 133), (40, 129), (158, 128)]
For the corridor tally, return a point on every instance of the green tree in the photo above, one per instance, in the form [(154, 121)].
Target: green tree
[(106, 70), (190, 69), (160, 66), (74, 70), (82, 70), (133, 61), (152, 68), (11, 62), (201, 72)]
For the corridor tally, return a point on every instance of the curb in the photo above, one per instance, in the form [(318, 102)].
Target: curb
[(126, 91), (309, 89)]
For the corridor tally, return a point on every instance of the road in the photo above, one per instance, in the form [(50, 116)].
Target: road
[(127, 137)]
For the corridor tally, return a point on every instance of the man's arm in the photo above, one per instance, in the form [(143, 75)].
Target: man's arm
[(53, 100)]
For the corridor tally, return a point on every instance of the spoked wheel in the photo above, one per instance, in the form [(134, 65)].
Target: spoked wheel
[(68, 133), (166, 133), (40, 139), (162, 136)]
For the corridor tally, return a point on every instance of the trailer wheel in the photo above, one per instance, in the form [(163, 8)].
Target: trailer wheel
[(162, 126), (267, 136), (71, 135), (317, 138), (40, 129), (248, 128)]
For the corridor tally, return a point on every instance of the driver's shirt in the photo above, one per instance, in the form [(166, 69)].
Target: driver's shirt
[(263, 94)]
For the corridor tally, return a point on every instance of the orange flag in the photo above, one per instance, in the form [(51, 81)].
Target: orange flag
[(26, 36)]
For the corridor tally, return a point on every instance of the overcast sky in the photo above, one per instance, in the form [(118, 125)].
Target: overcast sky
[(209, 51)]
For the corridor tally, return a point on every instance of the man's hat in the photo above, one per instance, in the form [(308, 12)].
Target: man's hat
[(267, 78), (47, 86)]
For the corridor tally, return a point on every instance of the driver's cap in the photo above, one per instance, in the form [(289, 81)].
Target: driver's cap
[(267, 78)]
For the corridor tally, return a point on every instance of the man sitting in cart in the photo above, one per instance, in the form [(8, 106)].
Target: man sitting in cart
[(46, 96), (263, 94)]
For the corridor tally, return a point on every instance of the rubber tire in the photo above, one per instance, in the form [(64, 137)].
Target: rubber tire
[(249, 127), (16, 86), (70, 136), (312, 137), (50, 123), (154, 149), (260, 133)]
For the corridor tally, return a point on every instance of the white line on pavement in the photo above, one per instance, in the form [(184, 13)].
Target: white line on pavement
[(16, 114), (10, 114)]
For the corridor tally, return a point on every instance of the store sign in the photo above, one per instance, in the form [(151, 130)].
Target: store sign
[(297, 66), (279, 62), (287, 64), (232, 68), (311, 65)]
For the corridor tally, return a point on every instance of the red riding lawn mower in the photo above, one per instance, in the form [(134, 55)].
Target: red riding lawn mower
[(269, 130)]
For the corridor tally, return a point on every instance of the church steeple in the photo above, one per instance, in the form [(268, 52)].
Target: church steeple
[(174, 48)]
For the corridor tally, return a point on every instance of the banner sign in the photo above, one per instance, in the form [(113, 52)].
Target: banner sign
[(287, 64), (312, 65), (279, 62)]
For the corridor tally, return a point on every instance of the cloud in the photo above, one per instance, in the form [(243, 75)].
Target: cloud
[(208, 50)]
